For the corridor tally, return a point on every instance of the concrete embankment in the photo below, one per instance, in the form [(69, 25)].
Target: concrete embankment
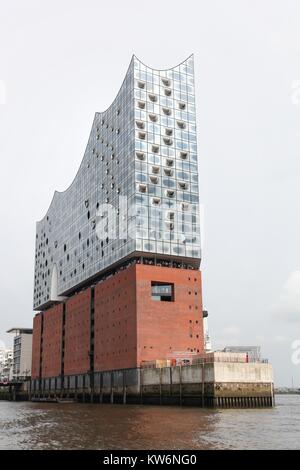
[(15, 392), (208, 385)]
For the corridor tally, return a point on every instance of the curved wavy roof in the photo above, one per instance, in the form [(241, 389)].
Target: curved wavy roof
[(58, 194)]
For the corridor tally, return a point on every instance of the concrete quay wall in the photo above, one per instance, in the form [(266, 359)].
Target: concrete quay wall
[(210, 384)]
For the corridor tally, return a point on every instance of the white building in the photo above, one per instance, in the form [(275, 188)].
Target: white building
[(22, 352), (6, 364)]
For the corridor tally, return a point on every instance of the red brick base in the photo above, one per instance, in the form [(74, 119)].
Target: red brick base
[(129, 326)]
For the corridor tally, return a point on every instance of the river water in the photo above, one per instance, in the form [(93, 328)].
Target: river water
[(27, 425)]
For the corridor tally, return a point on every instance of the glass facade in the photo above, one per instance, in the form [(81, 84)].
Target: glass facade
[(136, 191), (166, 170)]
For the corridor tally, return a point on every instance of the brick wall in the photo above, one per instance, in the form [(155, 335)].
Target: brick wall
[(165, 327), (77, 334), (52, 338), (129, 326), (115, 322), (36, 346)]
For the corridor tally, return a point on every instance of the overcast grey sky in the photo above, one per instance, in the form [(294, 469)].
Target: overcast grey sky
[(63, 60)]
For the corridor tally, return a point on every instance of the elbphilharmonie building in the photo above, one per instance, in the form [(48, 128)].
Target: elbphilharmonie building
[(117, 259)]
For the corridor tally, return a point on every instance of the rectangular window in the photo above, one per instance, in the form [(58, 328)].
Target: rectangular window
[(162, 291)]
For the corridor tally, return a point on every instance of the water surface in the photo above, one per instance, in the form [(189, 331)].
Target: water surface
[(82, 426)]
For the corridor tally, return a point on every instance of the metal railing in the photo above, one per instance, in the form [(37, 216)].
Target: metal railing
[(201, 360)]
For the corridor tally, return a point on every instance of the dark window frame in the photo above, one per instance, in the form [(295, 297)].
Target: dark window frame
[(158, 293)]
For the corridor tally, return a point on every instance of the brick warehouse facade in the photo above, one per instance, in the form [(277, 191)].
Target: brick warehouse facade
[(51, 340), (116, 324), (77, 333)]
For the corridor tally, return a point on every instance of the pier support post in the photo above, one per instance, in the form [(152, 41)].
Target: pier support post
[(160, 386), (141, 385), (124, 387), (101, 388), (180, 386), (272, 395), (203, 385), (111, 387)]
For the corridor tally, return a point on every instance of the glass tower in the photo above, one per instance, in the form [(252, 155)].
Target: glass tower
[(136, 191)]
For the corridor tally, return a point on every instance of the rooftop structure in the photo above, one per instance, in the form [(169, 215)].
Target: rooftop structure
[(19, 331)]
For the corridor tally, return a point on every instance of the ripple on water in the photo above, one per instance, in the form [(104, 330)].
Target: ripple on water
[(83, 426)]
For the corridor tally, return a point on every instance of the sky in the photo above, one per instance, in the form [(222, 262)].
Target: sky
[(61, 61)]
